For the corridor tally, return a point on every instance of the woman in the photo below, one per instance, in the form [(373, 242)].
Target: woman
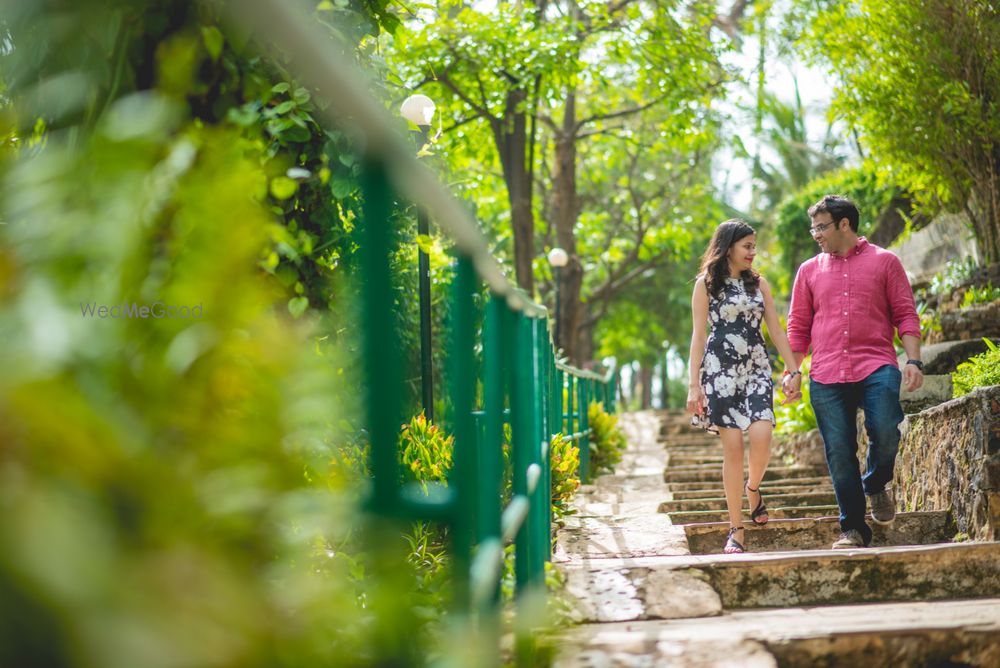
[(730, 390)]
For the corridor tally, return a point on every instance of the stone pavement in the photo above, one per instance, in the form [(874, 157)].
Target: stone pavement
[(643, 561)]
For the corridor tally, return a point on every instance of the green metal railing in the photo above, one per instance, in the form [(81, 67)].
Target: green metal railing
[(522, 382)]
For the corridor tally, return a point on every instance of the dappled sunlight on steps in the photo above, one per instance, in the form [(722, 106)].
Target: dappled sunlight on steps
[(653, 588)]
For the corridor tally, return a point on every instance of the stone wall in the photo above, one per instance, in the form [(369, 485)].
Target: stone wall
[(971, 322), (805, 449), (949, 457)]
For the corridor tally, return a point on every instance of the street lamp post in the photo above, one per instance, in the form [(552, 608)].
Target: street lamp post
[(419, 110), (558, 259)]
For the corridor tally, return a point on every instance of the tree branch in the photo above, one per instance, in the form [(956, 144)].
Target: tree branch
[(621, 113)]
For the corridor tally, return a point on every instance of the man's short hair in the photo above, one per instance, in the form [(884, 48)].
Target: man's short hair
[(838, 207)]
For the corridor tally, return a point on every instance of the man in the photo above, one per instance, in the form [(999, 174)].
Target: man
[(846, 303)]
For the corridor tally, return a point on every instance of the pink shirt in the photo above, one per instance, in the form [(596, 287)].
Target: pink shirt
[(847, 308)]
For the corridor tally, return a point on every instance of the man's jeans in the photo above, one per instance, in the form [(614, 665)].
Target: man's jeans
[(836, 406)]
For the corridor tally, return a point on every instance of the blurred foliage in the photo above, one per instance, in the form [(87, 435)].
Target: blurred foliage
[(180, 491), (981, 370), (565, 460), (921, 96), (955, 273), (981, 295), (607, 442), (638, 85)]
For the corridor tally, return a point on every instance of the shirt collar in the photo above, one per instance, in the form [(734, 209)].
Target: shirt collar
[(860, 247)]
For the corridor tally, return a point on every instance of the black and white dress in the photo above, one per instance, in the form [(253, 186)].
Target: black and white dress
[(735, 370)]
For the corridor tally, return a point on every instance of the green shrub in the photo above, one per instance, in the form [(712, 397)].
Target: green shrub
[(565, 462), (425, 450), (607, 442), (982, 295), (980, 370)]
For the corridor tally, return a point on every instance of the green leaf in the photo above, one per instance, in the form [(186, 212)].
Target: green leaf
[(213, 41), (296, 134), (282, 87), (341, 188), (284, 107), (283, 187), (244, 116), (297, 306)]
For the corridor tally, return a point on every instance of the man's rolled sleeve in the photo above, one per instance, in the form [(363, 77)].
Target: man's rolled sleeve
[(800, 313), (904, 308)]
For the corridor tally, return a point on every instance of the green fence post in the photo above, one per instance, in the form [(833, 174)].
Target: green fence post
[(462, 479), (522, 425), (560, 403), (383, 401), (383, 408), (491, 447), (541, 450), (582, 426)]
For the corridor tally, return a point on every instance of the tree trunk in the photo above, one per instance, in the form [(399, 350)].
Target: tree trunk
[(511, 135), (664, 383), (585, 340), (646, 371), (633, 381), (891, 221), (985, 207), (565, 208)]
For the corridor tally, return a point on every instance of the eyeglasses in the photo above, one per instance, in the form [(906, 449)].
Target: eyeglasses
[(818, 229)]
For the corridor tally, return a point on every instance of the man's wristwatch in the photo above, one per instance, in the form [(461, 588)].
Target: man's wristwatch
[(917, 363)]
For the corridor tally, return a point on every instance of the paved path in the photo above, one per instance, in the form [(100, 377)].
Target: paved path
[(643, 562)]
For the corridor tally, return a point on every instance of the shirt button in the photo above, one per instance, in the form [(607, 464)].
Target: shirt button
[(845, 275), (845, 294), (845, 350), (845, 312), (845, 332)]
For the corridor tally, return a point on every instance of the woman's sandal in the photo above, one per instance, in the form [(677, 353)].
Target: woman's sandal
[(733, 546), (761, 509)]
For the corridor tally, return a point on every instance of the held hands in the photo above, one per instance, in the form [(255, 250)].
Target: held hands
[(791, 387), (695, 400)]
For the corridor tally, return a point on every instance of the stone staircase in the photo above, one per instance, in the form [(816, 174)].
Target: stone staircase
[(650, 586)]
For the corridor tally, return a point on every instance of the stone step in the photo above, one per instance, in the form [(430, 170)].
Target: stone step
[(940, 633), (714, 473), (768, 489), (588, 539), (670, 587), (688, 438), (775, 500), (703, 516), (678, 461), (716, 486), (863, 575), (816, 533)]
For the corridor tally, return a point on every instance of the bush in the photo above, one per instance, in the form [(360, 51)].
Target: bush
[(425, 450), (980, 370), (982, 295), (565, 462), (607, 441)]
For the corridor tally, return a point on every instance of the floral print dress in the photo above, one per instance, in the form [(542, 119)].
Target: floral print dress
[(735, 370)]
